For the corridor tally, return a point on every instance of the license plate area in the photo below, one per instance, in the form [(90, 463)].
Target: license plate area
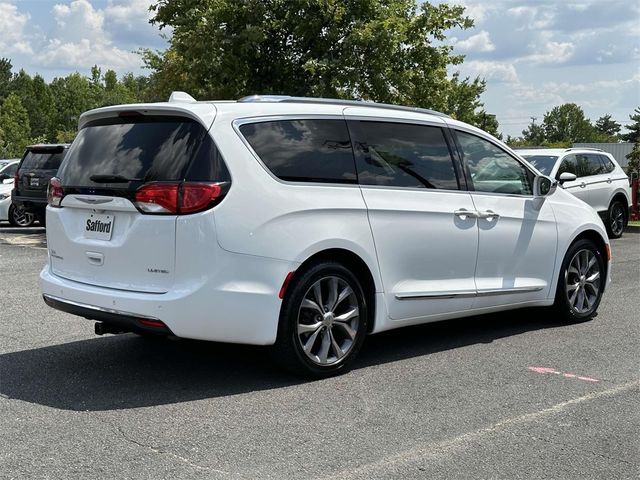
[(34, 182), (98, 227)]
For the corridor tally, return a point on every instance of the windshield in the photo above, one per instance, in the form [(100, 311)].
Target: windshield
[(543, 163)]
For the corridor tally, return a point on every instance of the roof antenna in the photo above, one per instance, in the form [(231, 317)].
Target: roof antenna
[(181, 97)]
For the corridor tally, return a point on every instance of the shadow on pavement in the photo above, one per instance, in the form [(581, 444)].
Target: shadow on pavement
[(126, 371)]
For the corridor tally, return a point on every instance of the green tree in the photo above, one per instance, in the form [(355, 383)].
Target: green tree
[(608, 127), (533, 135), (14, 125), (634, 160), (567, 123), (72, 95), (388, 51), (633, 135), (36, 97), (5, 76)]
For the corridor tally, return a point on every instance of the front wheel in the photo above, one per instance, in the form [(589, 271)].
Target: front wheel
[(323, 321), (19, 217), (616, 219), (581, 281)]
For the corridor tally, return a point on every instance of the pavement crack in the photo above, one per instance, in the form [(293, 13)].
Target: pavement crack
[(121, 433)]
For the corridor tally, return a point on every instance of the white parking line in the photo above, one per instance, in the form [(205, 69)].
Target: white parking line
[(444, 447)]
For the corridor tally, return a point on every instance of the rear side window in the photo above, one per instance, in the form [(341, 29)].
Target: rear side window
[(42, 160), (304, 150), (142, 149), (404, 155), (608, 164)]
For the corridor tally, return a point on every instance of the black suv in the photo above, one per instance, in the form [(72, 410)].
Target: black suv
[(38, 165)]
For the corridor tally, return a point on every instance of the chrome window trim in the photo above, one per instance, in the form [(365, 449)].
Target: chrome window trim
[(466, 293), (96, 308)]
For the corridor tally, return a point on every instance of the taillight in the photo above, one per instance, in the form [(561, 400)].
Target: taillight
[(178, 198), (16, 177), (54, 192)]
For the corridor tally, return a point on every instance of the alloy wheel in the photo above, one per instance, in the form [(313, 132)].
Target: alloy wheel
[(21, 217), (328, 321), (582, 281), (616, 219)]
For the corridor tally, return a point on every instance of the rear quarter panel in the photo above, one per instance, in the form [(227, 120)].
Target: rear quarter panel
[(264, 216)]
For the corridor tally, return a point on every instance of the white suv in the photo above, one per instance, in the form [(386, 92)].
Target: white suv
[(307, 224), (593, 176)]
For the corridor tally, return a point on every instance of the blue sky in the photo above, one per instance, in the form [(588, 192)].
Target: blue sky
[(533, 54)]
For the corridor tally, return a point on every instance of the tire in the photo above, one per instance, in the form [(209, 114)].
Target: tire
[(582, 262), (616, 219), (330, 347), (19, 217)]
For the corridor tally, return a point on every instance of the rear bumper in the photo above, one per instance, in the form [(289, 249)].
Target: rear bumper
[(29, 202), (122, 321), (237, 303)]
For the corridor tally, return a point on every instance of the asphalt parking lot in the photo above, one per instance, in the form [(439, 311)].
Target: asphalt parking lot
[(513, 395)]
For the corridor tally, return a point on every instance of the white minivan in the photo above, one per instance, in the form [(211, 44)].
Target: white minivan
[(306, 224)]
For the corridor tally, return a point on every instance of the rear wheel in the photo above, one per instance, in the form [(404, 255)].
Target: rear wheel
[(323, 321), (581, 282), (19, 217), (616, 219)]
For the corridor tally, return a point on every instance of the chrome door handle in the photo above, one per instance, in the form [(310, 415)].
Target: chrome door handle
[(608, 180), (488, 214), (582, 185), (463, 213)]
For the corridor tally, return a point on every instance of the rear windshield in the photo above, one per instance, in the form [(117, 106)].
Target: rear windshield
[(142, 149), (42, 160), (543, 163)]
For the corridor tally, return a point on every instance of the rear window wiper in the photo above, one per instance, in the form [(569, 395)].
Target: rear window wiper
[(112, 179)]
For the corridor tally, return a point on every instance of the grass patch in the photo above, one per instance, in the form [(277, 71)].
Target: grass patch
[(634, 223)]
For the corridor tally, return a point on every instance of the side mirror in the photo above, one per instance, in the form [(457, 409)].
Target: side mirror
[(7, 181), (543, 186), (567, 177)]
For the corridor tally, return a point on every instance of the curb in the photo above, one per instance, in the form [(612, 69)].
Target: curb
[(632, 229)]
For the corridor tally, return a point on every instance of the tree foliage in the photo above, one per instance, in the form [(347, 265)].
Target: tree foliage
[(14, 125), (608, 127), (387, 51), (633, 135)]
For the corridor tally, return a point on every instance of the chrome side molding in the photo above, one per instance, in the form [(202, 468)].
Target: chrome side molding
[(466, 293)]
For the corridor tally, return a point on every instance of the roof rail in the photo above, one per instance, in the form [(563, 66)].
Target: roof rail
[(333, 101), (584, 148)]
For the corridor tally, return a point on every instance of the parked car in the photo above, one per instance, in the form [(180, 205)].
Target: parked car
[(593, 176), (8, 168), (38, 165), (17, 216), (306, 224)]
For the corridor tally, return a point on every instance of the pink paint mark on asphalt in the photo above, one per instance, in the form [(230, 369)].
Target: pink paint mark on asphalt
[(546, 370)]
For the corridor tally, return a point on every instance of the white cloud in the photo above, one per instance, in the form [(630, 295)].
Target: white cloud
[(480, 42), (492, 71), (548, 51), (82, 41), (12, 25)]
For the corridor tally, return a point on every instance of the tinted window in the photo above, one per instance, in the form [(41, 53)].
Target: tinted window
[(582, 165), (404, 155), (492, 169), (42, 160), (544, 163), (608, 164), (143, 149), (304, 150)]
